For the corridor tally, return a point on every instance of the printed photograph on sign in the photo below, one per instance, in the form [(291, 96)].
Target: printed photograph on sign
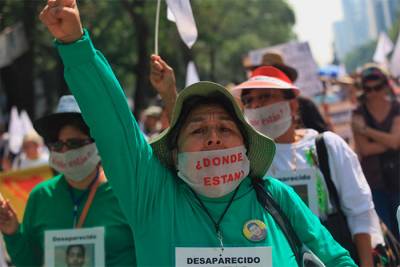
[(304, 183), (75, 248), (75, 255)]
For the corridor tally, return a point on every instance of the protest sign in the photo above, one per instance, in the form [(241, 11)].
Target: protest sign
[(75, 247), (297, 55)]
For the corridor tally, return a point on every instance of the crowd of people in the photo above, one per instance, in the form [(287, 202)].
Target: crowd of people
[(238, 176)]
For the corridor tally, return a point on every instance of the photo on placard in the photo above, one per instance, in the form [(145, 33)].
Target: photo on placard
[(75, 248), (304, 183), (74, 255), (302, 191)]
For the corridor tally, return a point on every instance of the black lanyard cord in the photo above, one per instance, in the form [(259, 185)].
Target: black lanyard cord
[(216, 224)]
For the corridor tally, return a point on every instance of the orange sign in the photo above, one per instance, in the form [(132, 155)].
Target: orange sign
[(16, 185)]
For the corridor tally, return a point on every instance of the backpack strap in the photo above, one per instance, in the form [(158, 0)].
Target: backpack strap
[(323, 164), (272, 207)]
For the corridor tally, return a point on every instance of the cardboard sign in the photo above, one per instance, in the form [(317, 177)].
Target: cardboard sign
[(229, 256), (299, 56), (304, 182), (75, 247)]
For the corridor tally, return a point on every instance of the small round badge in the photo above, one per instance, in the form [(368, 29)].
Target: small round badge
[(254, 230)]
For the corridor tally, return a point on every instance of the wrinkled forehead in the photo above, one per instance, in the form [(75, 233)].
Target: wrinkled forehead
[(208, 112)]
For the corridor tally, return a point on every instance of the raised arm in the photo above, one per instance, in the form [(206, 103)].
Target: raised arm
[(162, 78), (135, 174)]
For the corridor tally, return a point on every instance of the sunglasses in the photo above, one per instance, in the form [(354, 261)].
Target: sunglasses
[(72, 143), (375, 88), (247, 100)]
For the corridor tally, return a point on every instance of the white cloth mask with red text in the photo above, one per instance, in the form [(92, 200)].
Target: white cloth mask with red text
[(272, 120), (214, 173), (76, 164)]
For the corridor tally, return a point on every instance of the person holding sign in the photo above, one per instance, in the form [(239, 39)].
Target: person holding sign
[(270, 105), (189, 195), (80, 197)]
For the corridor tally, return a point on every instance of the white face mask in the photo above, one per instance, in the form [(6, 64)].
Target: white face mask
[(76, 164), (214, 173), (273, 120)]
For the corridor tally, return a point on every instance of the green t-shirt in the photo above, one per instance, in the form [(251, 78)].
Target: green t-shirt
[(161, 209), (50, 207)]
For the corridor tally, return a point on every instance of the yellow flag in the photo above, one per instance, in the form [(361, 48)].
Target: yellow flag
[(16, 185)]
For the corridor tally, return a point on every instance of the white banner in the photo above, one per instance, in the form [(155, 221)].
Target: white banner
[(13, 44), (395, 60), (191, 74), (299, 56), (383, 48), (182, 15)]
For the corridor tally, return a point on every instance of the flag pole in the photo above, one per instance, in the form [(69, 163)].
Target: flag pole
[(157, 27)]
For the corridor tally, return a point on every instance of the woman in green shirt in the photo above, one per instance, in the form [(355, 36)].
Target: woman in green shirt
[(189, 196), (59, 203)]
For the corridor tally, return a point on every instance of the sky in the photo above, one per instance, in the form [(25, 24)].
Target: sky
[(314, 23)]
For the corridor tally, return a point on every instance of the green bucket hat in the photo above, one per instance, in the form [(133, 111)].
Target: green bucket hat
[(260, 149)]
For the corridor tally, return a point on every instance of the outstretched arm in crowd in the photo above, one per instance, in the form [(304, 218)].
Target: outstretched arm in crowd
[(162, 78), (136, 176)]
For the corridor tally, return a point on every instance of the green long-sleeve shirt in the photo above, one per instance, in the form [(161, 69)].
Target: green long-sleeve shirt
[(161, 209), (50, 207)]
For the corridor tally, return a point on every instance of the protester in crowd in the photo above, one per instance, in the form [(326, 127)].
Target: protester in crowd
[(269, 100), (376, 126), (270, 105), (79, 196), (172, 212), (33, 153), (309, 116), (151, 124)]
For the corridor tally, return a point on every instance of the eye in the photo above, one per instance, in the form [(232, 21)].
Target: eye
[(225, 129), (247, 100), (198, 131)]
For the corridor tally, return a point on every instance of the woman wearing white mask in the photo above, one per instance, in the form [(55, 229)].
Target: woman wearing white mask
[(79, 197), (189, 196), (270, 105)]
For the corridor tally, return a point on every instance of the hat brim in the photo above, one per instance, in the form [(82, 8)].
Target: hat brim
[(47, 124), (264, 84), (289, 71), (260, 150)]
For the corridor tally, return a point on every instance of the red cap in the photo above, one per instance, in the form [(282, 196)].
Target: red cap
[(266, 77)]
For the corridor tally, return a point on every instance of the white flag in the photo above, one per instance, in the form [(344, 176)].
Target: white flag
[(395, 60), (191, 74), (15, 131), (183, 17), (26, 122), (383, 48)]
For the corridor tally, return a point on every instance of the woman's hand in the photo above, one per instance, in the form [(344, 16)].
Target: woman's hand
[(162, 78), (358, 125), (62, 19), (8, 218)]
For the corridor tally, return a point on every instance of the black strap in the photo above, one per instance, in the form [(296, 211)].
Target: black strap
[(323, 163), (270, 205)]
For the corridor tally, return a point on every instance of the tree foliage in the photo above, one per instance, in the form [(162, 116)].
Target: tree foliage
[(124, 31)]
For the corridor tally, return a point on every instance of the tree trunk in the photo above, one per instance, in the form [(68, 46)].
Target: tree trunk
[(141, 69)]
